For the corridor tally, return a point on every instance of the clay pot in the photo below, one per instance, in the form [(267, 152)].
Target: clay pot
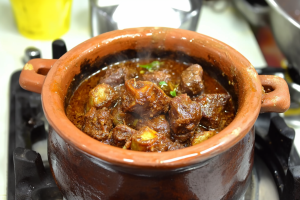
[(218, 168)]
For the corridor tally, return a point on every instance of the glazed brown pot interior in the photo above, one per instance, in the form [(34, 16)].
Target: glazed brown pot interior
[(240, 77)]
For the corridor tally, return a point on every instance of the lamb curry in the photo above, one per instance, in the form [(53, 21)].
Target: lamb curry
[(151, 105)]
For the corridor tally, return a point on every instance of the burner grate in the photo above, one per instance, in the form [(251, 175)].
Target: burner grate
[(29, 175)]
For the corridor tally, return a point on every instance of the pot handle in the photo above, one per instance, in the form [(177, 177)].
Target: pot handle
[(34, 73), (278, 100)]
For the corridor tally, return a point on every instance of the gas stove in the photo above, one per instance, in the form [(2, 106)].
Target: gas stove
[(275, 175)]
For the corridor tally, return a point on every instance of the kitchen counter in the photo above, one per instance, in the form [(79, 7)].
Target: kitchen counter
[(225, 26)]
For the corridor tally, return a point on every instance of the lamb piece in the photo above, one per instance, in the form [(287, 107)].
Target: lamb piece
[(213, 110), (149, 140), (191, 80), (165, 144), (116, 76), (98, 123), (174, 146), (185, 116), (120, 90), (144, 98), (159, 124), (144, 139), (201, 136), (184, 138), (120, 117), (122, 134), (157, 76), (102, 95)]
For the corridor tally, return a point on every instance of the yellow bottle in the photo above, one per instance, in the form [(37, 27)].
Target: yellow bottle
[(42, 19)]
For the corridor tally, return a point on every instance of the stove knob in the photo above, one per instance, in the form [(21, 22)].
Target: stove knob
[(58, 48), (31, 53)]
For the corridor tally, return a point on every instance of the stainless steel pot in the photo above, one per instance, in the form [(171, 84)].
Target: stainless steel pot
[(286, 29), (103, 18)]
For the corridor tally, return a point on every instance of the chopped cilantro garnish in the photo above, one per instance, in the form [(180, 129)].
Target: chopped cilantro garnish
[(146, 66), (173, 93), (151, 65), (163, 83), (155, 63)]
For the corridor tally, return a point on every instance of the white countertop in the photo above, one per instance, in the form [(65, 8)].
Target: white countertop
[(224, 26)]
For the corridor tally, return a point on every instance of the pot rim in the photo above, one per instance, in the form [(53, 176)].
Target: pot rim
[(53, 105)]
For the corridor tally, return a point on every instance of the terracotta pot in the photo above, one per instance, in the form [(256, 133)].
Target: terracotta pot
[(218, 168)]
